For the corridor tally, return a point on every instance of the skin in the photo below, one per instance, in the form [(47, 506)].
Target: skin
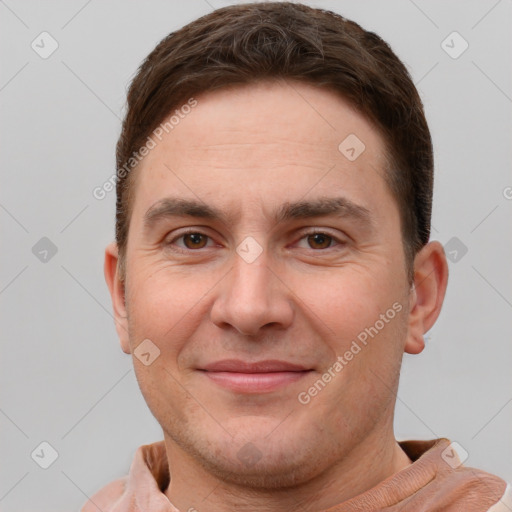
[(248, 150)]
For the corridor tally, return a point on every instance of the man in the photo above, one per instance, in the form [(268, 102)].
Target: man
[(272, 264)]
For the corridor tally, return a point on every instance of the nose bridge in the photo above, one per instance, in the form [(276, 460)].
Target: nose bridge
[(251, 296), (251, 282)]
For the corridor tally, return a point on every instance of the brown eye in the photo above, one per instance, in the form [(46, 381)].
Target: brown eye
[(319, 241), (194, 240)]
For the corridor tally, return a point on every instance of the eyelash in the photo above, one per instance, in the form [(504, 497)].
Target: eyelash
[(304, 235)]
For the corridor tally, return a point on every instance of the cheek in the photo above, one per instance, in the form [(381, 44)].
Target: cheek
[(345, 300), (165, 307)]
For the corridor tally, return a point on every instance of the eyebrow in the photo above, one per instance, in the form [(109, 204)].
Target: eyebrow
[(335, 206)]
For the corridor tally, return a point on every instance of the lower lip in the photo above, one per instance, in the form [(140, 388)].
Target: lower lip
[(254, 382)]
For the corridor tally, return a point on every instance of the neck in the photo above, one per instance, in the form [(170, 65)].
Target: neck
[(193, 488)]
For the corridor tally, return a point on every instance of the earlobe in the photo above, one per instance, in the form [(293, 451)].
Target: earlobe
[(427, 294), (117, 294)]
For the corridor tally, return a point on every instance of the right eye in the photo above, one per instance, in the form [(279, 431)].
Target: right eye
[(192, 240)]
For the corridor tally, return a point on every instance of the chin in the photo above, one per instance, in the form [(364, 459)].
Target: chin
[(273, 471), (258, 456)]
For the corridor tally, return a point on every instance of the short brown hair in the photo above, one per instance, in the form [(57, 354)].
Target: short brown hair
[(242, 44)]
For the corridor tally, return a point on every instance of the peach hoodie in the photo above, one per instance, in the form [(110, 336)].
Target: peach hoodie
[(435, 481)]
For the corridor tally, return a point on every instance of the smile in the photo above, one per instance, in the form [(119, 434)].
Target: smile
[(255, 382), (260, 377)]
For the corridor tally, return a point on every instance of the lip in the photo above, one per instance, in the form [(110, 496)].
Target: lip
[(258, 377), (267, 366)]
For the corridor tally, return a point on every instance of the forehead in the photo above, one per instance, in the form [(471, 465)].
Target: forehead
[(275, 114), (263, 137)]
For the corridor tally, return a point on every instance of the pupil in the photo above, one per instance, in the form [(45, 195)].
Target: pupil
[(321, 239), (195, 238)]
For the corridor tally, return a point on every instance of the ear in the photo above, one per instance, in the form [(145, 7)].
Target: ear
[(117, 293), (427, 294)]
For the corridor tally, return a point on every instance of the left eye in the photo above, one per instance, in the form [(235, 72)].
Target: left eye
[(319, 240)]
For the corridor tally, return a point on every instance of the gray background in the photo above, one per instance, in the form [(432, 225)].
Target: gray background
[(64, 378)]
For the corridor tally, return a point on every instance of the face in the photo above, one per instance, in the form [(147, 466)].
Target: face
[(265, 264)]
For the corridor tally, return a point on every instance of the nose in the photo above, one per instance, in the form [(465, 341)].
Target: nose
[(252, 297)]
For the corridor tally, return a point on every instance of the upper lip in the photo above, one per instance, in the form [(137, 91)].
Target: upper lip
[(267, 366)]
